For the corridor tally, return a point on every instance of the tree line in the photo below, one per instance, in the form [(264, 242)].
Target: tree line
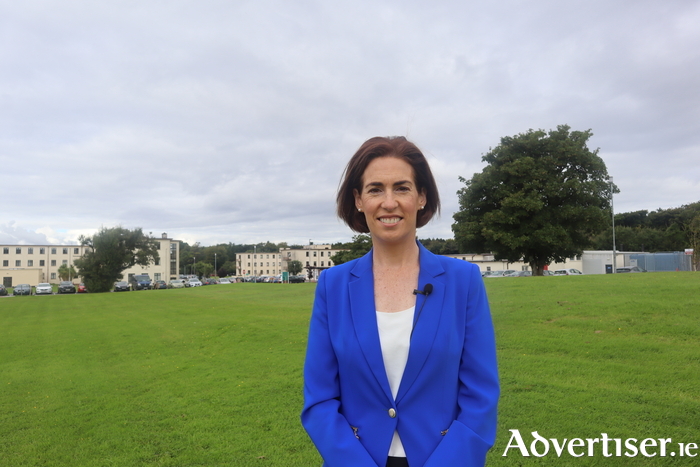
[(542, 197)]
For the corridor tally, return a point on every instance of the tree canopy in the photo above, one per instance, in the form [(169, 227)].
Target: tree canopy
[(541, 198), (294, 267), (111, 251), (359, 246)]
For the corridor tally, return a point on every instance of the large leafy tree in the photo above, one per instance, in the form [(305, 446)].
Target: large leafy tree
[(294, 267), (359, 246), (540, 198), (111, 251)]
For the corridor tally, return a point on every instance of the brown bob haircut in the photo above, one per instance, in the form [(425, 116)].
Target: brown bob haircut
[(379, 146)]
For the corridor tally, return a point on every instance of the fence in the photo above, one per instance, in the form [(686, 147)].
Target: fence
[(652, 262)]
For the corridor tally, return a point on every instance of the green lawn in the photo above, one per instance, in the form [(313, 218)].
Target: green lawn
[(211, 376)]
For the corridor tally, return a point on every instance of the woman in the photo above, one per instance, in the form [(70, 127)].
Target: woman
[(401, 364)]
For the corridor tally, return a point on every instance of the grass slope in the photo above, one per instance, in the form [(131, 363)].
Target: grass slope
[(211, 376)]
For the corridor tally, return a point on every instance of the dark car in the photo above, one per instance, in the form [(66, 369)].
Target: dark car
[(3, 290), (140, 282), (122, 286), (160, 285), (629, 269), (22, 289), (66, 287), (296, 279)]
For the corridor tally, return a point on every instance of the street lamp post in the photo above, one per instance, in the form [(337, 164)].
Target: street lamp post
[(215, 273), (194, 269), (612, 208)]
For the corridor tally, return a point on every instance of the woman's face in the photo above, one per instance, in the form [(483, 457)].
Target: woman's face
[(390, 199)]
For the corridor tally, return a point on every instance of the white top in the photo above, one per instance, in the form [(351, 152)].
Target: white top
[(395, 339)]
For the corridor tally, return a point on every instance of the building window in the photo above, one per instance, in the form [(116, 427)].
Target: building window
[(30, 251), (314, 263), (173, 268), (314, 254), (157, 261), (76, 251), (30, 263), (268, 264), (249, 258), (18, 263), (321, 262), (5, 251), (42, 262), (53, 262), (249, 264), (5, 263), (18, 251), (53, 251), (65, 261), (53, 275), (65, 251), (307, 254), (321, 253), (156, 276), (42, 251)]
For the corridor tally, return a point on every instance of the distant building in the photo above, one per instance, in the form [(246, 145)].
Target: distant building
[(314, 259), (486, 262), (33, 264)]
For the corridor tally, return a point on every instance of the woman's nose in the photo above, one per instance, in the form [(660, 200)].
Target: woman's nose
[(389, 202)]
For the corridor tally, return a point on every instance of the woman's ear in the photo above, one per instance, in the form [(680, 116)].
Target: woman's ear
[(422, 199), (358, 199)]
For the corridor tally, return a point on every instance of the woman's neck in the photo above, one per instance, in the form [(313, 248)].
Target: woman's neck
[(395, 255)]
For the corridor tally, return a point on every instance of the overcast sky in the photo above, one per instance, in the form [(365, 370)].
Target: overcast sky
[(231, 121)]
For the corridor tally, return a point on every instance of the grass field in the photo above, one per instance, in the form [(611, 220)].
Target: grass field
[(211, 376)]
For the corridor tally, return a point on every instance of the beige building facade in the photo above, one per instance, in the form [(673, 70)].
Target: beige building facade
[(33, 264), (314, 259)]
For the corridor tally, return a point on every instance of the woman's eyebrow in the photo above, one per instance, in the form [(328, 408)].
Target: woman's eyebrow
[(380, 184)]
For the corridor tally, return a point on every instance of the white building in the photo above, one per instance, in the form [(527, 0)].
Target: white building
[(314, 258), (33, 264), (486, 262)]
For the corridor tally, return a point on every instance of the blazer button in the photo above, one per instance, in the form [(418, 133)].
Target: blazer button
[(392, 413)]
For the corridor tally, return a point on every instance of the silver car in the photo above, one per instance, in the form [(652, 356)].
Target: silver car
[(43, 289)]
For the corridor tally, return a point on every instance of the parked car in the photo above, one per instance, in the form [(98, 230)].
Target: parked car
[(225, 280), (297, 279), (193, 283), (494, 274), (140, 281), (43, 288), (629, 269), (177, 284), (22, 289), (66, 287), (547, 272), (82, 288), (122, 286), (3, 291), (568, 272), (160, 285), (520, 274)]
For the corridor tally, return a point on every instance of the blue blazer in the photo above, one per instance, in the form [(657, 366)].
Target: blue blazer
[(445, 409)]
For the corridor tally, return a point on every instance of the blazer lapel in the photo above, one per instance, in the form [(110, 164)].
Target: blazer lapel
[(363, 311), (427, 323)]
